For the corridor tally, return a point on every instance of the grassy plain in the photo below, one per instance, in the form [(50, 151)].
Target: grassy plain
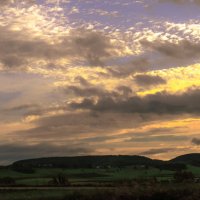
[(86, 176), (42, 176), (129, 183)]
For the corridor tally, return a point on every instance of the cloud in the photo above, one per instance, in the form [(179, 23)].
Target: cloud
[(19, 112), (20, 50), (6, 97), (196, 141), (157, 151), (5, 2), (181, 1), (159, 103), (13, 151), (139, 64), (82, 81), (17, 49), (95, 47), (126, 91), (164, 135), (22, 107), (13, 2), (184, 49), (149, 80), (73, 127), (103, 13), (158, 138), (78, 102), (87, 92)]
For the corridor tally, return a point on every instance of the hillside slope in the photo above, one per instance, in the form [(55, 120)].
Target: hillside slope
[(192, 159), (88, 161), (108, 161)]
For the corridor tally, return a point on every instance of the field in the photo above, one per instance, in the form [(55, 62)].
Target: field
[(91, 177), (117, 183), (78, 177)]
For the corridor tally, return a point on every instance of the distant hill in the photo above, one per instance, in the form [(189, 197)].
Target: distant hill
[(193, 159), (177, 163), (87, 162)]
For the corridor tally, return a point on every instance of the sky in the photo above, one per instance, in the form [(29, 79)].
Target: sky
[(99, 77)]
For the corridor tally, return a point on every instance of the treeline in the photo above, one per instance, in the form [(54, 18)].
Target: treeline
[(28, 166), (87, 162)]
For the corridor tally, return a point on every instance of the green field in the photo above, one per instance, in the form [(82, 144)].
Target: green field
[(100, 184), (79, 177)]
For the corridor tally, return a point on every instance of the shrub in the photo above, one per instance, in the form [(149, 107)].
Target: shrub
[(7, 181)]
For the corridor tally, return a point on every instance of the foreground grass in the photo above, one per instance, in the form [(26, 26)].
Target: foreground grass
[(32, 195), (135, 192)]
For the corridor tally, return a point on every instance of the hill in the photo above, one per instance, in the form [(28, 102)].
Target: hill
[(192, 159), (179, 162), (87, 162)]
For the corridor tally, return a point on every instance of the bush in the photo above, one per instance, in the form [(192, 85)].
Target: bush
[(60, 180), (7, 181), (183, 176)]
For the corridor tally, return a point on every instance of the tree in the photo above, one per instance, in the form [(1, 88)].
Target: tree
[(7, 181), (183, 176), (60, 180)]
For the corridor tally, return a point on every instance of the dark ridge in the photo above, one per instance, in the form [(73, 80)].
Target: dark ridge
[(88, 161), (179, 162), (192, 159)]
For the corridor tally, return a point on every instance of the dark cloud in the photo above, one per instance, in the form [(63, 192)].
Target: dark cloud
[(163, 130), (82, 81), (139, 64), (90, 90), (87, 92), (163, 134), (100, 139), (155, 132), (159, 54), (13, 113), (184, 49), (126, 91), (73, 126), (149, 80), (159, 103), (157, 151), (12, 61), (158, 138), (196, 141), (14, 152), (22, 107), (95, 47), (17, 49), (153, 135)]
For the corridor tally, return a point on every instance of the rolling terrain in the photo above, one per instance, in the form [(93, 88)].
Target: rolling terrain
[(100, 176)]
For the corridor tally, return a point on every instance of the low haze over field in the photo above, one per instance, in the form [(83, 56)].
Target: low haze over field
[(95, 77)]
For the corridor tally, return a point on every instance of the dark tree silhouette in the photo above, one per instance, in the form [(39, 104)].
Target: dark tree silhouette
[(183, 176)]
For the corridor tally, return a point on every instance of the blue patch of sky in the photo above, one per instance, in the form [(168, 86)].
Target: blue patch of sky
[(174, 12), (131, 12), (128, 14)]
